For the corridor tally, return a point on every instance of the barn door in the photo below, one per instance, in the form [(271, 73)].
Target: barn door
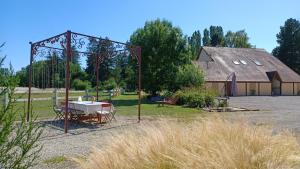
[(276, 87), (228, 88)]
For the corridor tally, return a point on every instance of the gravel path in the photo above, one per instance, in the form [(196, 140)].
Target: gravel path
[(283, 112), (80, 140)]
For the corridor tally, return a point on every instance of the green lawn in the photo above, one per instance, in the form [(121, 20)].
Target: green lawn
[(125, 104), (55, 160)]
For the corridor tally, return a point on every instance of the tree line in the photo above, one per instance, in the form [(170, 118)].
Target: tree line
[(167, 56), (49, 72), (215, 37)]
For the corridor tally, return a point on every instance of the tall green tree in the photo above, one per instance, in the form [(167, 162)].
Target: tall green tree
[(164, 50), (195, 43), (130, 77), (189, 75), (216, 36), (49, 72), (105, 66), (237, 39), (206, 38), (22, 75), (53, 64), (288, 39), (75, 57), (118, 73)]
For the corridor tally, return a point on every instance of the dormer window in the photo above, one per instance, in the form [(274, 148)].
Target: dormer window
[(236, 62), (243, 62), (257, 62)]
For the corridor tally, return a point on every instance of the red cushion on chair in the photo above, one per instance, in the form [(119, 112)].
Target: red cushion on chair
[(106, 105)]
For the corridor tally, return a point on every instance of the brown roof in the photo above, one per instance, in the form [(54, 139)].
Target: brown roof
[(220, 64)]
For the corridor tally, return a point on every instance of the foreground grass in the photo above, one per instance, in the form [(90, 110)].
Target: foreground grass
[(211, 143), (126, 105)]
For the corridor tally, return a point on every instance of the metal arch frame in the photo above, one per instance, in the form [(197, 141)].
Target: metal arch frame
[(66, 40)]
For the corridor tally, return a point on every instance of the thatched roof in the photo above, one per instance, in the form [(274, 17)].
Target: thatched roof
[(249, 64)]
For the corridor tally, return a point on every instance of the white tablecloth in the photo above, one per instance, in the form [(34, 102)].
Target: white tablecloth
[(86, 107)]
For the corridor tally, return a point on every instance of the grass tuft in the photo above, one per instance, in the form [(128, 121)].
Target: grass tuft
[(55, 160), (210, 143)]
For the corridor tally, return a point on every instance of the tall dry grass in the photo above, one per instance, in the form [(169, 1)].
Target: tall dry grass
[(211, 143)]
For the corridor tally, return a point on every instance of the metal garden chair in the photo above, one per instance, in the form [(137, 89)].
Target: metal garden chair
[(106, 112), (59, 111)]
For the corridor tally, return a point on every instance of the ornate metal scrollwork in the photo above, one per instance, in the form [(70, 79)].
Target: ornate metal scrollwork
[(41, 52), (50, 43), (104, 47), (78, 41)]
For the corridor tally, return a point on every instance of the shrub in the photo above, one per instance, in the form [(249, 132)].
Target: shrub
[(195, 97), (110, 84), (209, 97), (166, 94), (122, 84), (189, 76), (81, 85), (19, 146), (223, 104), (211, 143)]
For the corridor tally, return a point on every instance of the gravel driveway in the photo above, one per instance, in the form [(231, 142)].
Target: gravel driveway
[(283, 112), (80, 139)]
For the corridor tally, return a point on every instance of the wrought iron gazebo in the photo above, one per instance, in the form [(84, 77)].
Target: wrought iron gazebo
[(64, 44)]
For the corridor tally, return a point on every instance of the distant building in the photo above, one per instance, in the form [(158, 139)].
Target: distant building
[(257, 72)]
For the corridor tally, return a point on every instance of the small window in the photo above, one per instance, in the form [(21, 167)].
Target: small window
[(257, 62), (243, 62), (236, 62)]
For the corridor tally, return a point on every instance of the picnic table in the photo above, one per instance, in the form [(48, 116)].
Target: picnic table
[(86, 110), (86, 107), (170, 101)]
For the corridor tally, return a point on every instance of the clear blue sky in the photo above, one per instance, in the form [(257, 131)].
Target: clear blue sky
[(32, 20)]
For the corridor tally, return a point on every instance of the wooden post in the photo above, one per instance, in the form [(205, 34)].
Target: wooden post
[(225, 89), (280, 89), (293, 88), (29, 83), (86, 94), (55, 97), (110, 95), (139, 53), (67, 79), (246, 89), (97, 75), (258, 89)]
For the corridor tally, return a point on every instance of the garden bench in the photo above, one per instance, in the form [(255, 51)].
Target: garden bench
[(169, 101), (222, 101)]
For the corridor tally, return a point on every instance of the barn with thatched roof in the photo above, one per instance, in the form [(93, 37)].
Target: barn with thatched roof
[(246, 72)]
